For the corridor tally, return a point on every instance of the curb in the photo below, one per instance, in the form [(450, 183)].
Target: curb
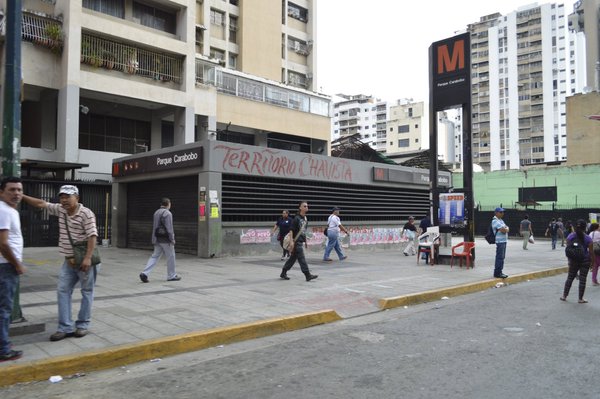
[(150, 349), (462, 289)]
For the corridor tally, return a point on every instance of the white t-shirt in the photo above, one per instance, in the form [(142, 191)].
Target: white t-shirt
[(333, 223), (9, 220)]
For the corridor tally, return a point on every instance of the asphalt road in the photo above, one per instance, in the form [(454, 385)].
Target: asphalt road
[(517, 341)]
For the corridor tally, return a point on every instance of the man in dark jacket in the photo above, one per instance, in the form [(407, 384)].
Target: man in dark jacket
[(299, 226)]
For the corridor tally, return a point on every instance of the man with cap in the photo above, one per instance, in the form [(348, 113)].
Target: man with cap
[(501, 231), (79, 222), (334, 225)]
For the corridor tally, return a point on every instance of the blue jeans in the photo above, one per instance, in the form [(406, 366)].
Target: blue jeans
[(8, 286), (554, 239), (159, 248), (500, 255), (333, 243), (67, 279)]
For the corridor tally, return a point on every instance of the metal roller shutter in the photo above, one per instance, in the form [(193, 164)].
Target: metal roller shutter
[(143, 199)]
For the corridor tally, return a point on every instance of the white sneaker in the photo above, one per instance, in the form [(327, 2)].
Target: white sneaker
[(283, 258)]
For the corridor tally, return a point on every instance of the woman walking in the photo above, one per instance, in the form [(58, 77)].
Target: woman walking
[(580, 267), (595, 236), (284, 223)]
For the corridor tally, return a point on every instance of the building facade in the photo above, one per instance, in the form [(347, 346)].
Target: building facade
[(519, 86), (103, 79), (404, 126), (360, 114), (583, 24)]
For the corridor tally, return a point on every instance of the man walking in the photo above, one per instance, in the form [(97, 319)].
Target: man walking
[(334, 225), (75, 223), (299, 226), (163, 239), (525, 230), (501, 231), (552, 231), (11, 255), (561, 231)]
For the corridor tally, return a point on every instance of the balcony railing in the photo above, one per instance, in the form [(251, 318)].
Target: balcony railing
[(100, 52), (258, 90), (40, 30)]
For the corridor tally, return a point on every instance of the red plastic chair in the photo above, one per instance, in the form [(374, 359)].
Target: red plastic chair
[(467, 253)]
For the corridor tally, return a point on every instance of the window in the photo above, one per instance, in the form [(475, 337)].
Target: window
[(216, 53), (233, 61), (115, 8), (233, 27), (403, 128), (154, 17), (112, 134), (404, 143), (217, 17), (297, 12), (410, 112)]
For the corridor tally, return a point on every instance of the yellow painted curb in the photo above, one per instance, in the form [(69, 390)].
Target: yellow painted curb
[(435, 295), (160, 347)]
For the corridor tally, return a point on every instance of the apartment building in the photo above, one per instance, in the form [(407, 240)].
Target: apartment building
[(360, 114), (103, 79), (404, 126), (585, 45), (519, 86), (450, 138)]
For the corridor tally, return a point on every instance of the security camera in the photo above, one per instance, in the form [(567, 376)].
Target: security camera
[(84, 109)]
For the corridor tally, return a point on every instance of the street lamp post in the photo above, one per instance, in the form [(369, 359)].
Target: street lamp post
[(11, 125)]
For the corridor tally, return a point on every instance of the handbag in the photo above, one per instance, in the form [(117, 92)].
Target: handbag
[(80, 249), (325, 232), (289, 241), (595, 245), (531, 239)]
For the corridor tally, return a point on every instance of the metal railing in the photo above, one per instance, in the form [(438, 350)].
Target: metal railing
[(100, 52), (40, 30), (257, 90)]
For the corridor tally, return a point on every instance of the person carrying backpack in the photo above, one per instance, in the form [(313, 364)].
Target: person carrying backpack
[(582, 265), (552, 231), (501, 233)]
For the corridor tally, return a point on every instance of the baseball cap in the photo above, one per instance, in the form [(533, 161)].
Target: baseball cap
[(69, 190), (499, 209), (335, 208)]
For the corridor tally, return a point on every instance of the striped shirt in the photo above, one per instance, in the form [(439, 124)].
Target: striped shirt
[(82, 225)]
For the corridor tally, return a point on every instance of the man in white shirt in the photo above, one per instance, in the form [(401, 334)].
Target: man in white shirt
[(334, 225), (11, 255)]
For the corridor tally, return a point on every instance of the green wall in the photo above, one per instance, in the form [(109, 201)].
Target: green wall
[(577, 186)]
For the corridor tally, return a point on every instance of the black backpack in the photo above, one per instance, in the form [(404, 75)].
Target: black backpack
[(575, 251), (554, 228), (490, 237)]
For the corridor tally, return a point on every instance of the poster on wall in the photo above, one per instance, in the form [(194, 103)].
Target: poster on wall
[(452, 209), (593, 217)]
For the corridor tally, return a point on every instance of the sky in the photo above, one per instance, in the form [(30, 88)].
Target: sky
[(380, 47)]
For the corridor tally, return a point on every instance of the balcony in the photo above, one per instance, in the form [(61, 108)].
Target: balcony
[(108, 54), (245, 86), (41, 30)]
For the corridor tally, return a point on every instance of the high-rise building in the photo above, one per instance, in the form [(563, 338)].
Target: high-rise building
[(360, 114), (404, 126), (519, 74), (583, 23), (107, 78)]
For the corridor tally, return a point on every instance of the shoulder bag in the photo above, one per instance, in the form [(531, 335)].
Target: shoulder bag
[(80, 249)]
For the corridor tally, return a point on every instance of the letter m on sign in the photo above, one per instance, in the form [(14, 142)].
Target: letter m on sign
[(447, 62)]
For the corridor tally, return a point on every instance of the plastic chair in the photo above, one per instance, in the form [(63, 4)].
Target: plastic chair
[(426, 243), (467, 253)]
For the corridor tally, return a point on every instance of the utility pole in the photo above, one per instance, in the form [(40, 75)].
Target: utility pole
[(11, 124)]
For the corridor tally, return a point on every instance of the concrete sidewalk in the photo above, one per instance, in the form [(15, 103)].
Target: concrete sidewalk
[(239, 298)]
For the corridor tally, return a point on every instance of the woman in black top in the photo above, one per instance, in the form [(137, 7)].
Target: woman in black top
[(284, 223)]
